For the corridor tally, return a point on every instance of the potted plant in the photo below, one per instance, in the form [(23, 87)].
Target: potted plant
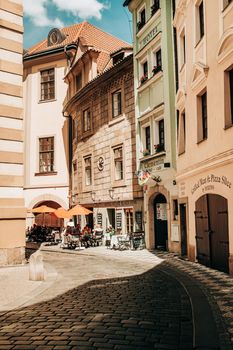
[(159, 148), (146, 152), (143, 78), (156, 69)]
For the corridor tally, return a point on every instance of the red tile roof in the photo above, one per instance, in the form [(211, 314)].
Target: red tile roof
[(90, 36)]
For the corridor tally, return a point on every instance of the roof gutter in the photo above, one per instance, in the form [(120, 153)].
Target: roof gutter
[(49, 52)]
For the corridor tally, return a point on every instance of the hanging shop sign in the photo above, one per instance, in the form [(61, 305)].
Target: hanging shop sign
[(207, 183), (100, 163)]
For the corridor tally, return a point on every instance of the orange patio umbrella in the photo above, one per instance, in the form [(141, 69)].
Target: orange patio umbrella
[(79, 210), (43, 209), (62, 213)]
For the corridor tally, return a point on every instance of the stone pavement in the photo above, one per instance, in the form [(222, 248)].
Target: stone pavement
[(104, 299)]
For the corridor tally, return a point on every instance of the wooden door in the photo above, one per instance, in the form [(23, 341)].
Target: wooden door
[(183, 229), (212, 236), (160, 221), (219, 240), (202, 231)]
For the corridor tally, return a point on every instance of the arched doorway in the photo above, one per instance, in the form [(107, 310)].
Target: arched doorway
[(212, 237), (48, 219), (160, 222)]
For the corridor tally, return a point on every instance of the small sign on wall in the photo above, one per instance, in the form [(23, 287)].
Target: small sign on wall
[(161, 211), (100, 219), (175, 233)]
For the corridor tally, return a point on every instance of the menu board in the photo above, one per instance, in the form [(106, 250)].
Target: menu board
[(161, 211), (119, 220), (99, 219), (138, 221)]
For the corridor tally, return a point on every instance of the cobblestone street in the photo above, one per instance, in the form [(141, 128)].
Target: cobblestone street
[(103, 299)]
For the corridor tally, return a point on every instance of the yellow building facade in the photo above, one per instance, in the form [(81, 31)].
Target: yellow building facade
[(12, 209), (204, 102)]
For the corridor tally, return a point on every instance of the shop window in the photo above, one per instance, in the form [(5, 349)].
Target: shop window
[(46, 154), (228, 96), (116, 104), (88, 171), (86, 120), (202, 117), (47, 78), (129, 220), (118, 163)]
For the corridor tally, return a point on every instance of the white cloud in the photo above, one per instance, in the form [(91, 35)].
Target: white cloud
[(83, 9), (37, 11)]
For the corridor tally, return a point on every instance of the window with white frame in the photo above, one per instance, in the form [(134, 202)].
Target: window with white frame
[(157, 61), (155, 6), (116, 104), (200, 24), (159, 136), (118, 163), (182, 48), (46, 154), (181, 133), (146, 139), (47, 83), (88, 171), (144, 71), (141, 18)]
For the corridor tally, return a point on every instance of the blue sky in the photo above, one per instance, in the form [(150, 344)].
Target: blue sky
[(41, 16)]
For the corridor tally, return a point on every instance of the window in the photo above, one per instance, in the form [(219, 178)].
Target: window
[(155, 7), (142, 19), (86, 120), (87, 169), (158, 62), (181, 133), (75, 129), (161, 134), (75, 167), (147, 139), (47, 84), (118, 163), (226, 3), (144, 69), (175, 209), (46, 154), (129, 220), (228, 95), (116, 104), (202, 117), (200, 31), (78, 82), (182, 49)]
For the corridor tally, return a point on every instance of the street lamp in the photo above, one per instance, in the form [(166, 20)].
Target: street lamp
[(111, 192)]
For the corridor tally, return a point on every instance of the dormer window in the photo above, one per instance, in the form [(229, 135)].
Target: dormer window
[(118, 57), (55, 37)]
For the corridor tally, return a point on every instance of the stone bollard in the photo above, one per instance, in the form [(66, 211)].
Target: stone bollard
[(36, 267)]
